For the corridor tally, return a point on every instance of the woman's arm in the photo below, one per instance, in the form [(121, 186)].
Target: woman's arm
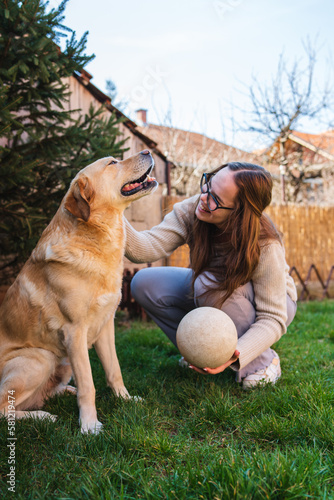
[(163, 239), (269, 283), (270, 295)]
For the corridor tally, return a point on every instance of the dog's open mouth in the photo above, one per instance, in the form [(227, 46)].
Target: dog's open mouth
[(144, 182)]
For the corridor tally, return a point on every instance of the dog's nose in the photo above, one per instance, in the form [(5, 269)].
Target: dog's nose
[(145, 152)]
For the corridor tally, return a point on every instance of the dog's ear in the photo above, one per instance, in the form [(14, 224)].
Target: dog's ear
[(80, 198)]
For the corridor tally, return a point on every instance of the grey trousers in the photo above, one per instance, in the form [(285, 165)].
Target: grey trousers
[(165, 294)]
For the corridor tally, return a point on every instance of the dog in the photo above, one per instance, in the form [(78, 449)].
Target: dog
[(64, 299)]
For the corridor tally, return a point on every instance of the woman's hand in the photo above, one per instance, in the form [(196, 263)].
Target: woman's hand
[(219, 369)]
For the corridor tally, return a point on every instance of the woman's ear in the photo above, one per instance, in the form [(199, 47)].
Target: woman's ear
[(80, 197)]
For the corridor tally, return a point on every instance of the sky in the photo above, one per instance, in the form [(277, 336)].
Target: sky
[(190, 63)]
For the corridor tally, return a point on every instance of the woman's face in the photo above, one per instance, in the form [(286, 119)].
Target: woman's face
[(225, 190)]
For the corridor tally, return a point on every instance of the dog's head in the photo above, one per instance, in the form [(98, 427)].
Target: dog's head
[(110, 183)]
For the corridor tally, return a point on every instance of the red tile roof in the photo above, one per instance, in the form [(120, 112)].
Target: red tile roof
[(323, 142)]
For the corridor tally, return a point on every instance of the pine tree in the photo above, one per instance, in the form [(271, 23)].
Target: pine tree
[(42, 143)]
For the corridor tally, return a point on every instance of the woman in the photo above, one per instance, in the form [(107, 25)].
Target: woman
[(237, 264)]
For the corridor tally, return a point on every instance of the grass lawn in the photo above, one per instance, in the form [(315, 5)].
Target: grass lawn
[(192, 436)]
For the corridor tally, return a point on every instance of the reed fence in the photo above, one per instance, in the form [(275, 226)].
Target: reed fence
[(308, 240)]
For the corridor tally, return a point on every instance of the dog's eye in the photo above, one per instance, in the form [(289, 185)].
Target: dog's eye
[(113, 162)]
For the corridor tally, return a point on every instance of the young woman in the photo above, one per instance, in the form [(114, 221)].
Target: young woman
[(237, 264)]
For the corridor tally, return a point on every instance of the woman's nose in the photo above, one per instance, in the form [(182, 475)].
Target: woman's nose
[(204, 198)]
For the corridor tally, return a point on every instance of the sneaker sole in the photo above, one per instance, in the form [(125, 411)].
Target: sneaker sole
[(259, 383)]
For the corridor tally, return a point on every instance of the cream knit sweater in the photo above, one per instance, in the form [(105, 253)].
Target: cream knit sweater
[(271, 280)]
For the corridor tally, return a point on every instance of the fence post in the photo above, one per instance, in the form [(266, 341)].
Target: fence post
[(127, 301)]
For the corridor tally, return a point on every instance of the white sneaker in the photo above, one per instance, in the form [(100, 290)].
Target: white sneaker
[(267, 375), (183, 363)]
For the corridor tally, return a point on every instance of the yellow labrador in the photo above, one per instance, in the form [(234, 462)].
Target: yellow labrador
[(64, 299)]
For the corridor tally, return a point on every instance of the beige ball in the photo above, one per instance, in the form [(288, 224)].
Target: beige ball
[(206, 337)]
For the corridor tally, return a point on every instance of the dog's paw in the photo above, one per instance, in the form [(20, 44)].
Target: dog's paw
[(127, 397), (136, 398), (61, 388), (121, 392), (91, 427), (41, 415), (71, 389)]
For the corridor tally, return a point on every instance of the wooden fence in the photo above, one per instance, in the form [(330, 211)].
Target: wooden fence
[(308, 235), (308, 239)]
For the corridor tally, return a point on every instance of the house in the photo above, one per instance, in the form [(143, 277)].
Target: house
[(311, 162)]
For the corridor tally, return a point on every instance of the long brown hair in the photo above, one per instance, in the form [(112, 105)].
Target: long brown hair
[(231, 252)]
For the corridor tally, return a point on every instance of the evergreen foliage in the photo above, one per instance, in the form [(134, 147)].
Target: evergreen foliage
[(43, 144)]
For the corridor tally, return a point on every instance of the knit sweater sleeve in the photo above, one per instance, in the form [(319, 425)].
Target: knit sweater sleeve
[(160, 241), (270, 291)]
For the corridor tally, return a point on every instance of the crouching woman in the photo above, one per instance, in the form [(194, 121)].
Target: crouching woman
[(237, 264)]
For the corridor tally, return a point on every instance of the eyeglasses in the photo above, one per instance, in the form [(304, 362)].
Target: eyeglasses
[(211, 201)]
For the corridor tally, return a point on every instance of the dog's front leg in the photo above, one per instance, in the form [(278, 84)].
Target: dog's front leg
[(106, 351), (76, 343)]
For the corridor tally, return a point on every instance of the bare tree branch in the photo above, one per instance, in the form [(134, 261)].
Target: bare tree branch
[(279, 108)]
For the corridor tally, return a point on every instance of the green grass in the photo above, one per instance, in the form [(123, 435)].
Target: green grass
[(193, 436)]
